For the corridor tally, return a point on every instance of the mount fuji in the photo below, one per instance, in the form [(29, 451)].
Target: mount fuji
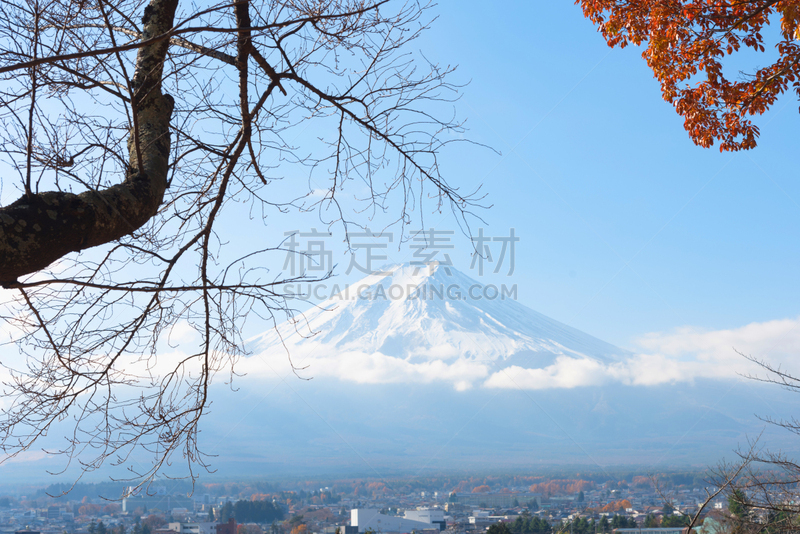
[(422, 368), (428, 323), (408, 377)]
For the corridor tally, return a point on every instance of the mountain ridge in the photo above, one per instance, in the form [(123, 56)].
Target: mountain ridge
[(432, 313)]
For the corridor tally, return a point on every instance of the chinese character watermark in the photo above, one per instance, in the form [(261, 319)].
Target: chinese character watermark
[(483, 252), (369, 243), (311, 253), (314, 258)]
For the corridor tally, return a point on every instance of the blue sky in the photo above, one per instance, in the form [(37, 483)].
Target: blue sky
[(627, 229), (626, 226)]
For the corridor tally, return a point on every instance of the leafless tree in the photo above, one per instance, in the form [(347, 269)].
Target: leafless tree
[(760, 490), (766, 497), (136, 133), (722, 481)]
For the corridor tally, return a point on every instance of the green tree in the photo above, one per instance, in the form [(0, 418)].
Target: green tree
[(580, 496), (650, 521), (580, 525), (252, 511), (673, 520), (741, 512), (781, 521), (499, 528), (621, 521), (738, 504)]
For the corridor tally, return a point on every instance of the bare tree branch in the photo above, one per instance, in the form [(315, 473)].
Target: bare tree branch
[(134, 159)]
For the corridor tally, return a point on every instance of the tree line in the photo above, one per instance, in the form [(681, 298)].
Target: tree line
[(527, 524), (251, 511), (581, 525)]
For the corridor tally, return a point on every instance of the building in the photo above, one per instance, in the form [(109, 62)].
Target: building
[(454, 507), (432, 516), (369, 519), (227, 528), (496, 500), (659, 530), (481, 519), (165, 503), (193, 528)]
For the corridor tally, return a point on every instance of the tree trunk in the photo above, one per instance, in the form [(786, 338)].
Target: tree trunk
[(38, 229)]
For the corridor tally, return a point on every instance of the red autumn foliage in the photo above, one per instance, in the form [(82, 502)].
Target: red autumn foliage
[(616, 506), (89, 509), (562, 487), (688, 47)]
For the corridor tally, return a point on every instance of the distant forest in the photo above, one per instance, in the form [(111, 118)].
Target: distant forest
[(251, 512), (527, 524), (287, 491)]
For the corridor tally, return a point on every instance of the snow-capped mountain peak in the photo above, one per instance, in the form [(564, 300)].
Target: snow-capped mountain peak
[(430, 315)]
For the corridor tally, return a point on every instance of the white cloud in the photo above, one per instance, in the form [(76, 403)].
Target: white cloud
[(566, 372), (320, 192), (778, 340), (465, 373), (367, 368), (683, 355), (182, 333), (25, 457)]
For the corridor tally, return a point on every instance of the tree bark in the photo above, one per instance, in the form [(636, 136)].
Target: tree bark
[(40, 228)]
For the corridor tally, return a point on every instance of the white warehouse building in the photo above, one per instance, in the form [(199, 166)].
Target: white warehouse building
[(193, 528), (427, 515), (414, 520)]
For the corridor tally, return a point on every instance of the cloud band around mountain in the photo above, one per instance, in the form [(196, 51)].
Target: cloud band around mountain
[(683, 355)]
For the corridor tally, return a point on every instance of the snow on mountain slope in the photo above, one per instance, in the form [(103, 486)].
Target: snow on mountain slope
[(424, 322)]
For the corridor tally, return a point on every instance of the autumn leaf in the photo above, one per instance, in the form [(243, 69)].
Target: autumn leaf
[(687, 45)]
